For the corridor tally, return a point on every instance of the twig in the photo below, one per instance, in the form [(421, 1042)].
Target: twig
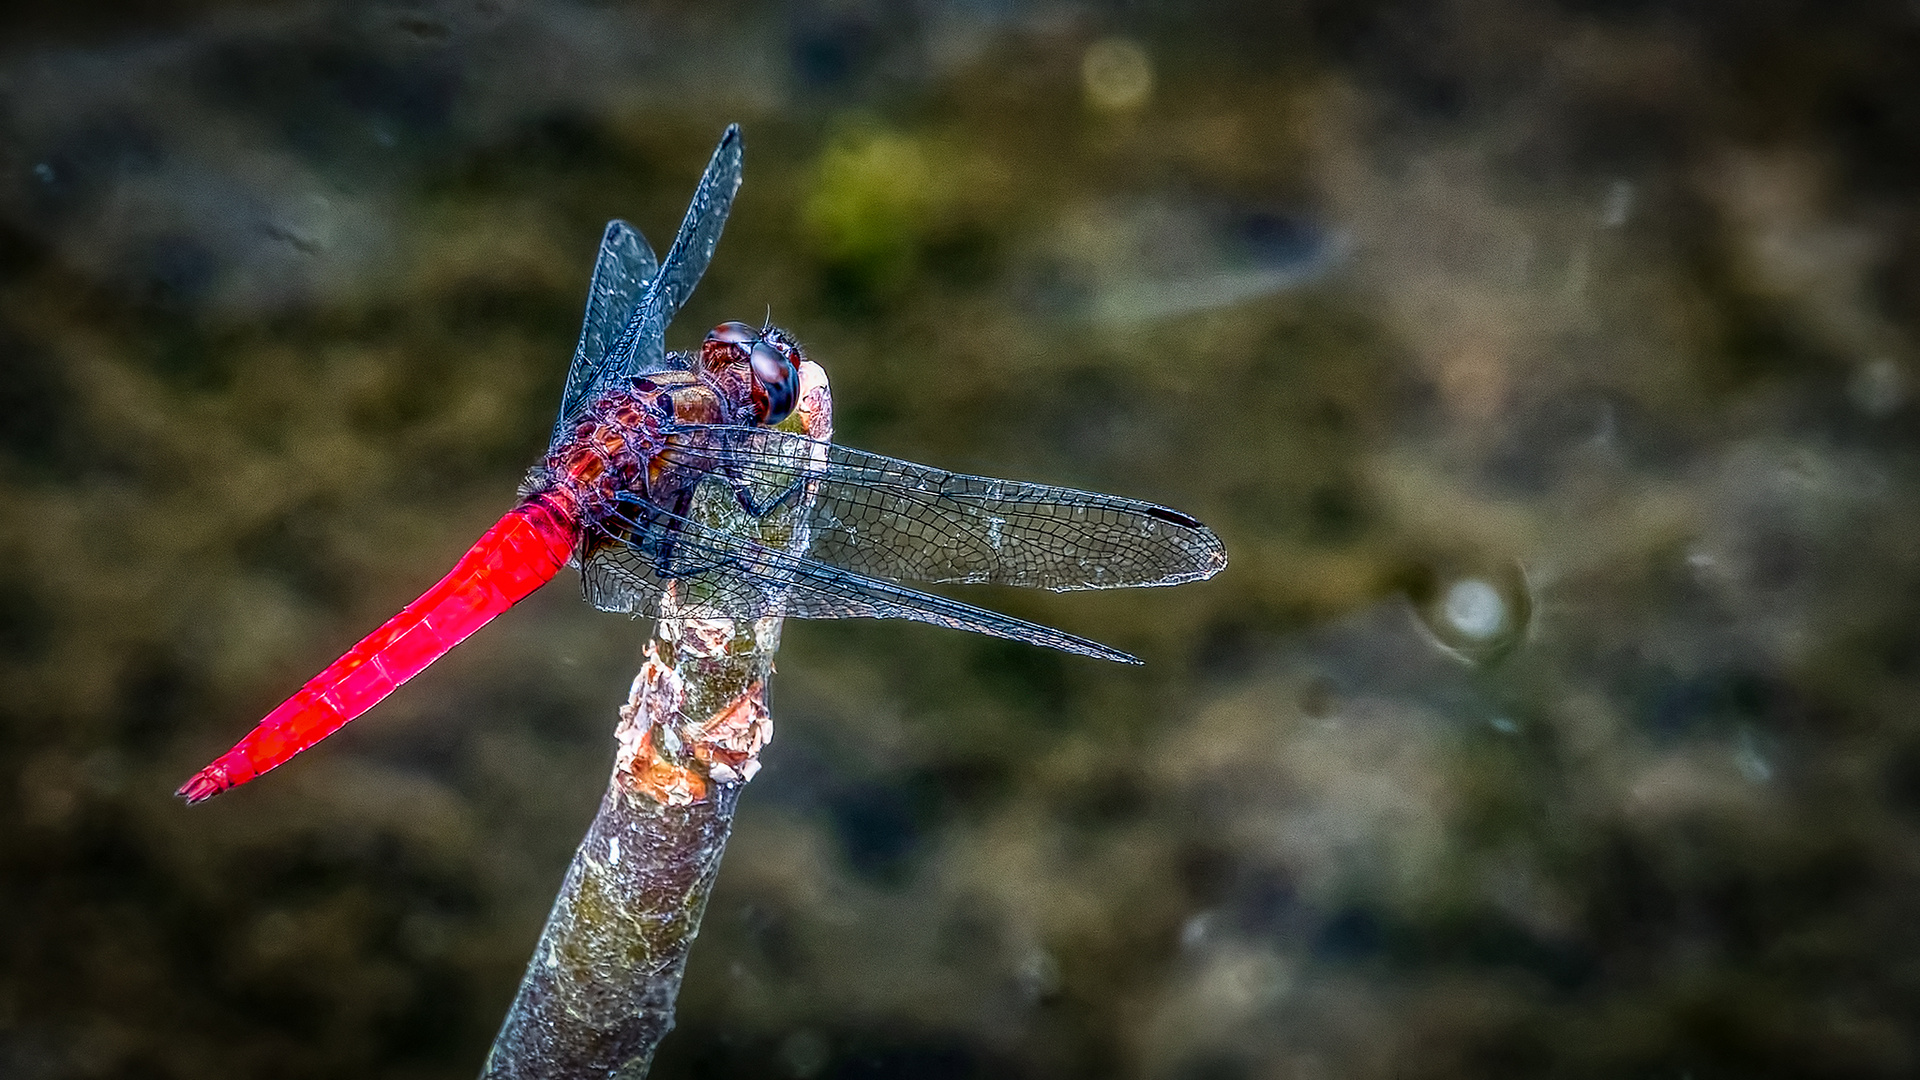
[(599, 992)]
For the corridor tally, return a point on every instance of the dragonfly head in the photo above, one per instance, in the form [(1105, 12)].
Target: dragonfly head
[(771, 360)]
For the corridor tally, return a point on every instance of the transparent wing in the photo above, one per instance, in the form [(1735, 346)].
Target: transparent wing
[(641, 348), (885, 518), (621, 274), (716, 574)]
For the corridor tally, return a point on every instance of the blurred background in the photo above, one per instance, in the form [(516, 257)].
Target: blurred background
[(1547, 369)]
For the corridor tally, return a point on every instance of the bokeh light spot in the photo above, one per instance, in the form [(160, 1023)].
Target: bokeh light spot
[(1117, 74)]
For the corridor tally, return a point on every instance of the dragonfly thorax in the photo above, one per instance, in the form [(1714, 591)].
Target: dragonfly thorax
[(623, 449), (615, 445), (617, 448)]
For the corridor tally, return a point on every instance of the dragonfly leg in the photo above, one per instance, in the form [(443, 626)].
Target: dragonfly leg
[(743, 493), (657, 536), (688, 570)]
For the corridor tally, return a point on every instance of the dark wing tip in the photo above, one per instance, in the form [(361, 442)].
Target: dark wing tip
[(1174, 516), (1073, 643), (1213, 556), (727, 155)]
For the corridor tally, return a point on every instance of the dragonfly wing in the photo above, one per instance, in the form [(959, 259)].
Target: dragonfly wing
[(621, 274), (885, 518), (642, 346), (616, 579), (710, 573)]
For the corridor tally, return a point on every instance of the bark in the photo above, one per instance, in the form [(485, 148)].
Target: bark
[(598, 995)]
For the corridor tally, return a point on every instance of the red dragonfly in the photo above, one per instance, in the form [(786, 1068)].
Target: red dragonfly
[(642, 430)]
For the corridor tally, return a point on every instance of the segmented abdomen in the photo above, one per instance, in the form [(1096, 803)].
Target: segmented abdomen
[(521, 552)]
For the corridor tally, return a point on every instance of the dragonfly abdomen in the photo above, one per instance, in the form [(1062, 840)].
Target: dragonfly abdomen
[(521, 552)]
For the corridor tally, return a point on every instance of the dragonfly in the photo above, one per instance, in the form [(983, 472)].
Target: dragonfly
[(641, 431)]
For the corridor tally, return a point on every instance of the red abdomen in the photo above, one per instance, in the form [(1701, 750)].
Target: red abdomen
[(521, 552)]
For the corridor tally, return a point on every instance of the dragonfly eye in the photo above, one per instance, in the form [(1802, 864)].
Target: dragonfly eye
[(776, 382), (733, 333), (727, 344)]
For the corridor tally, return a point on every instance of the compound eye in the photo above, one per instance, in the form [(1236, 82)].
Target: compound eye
[(727, 344), (733, 333), (774, 378)]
